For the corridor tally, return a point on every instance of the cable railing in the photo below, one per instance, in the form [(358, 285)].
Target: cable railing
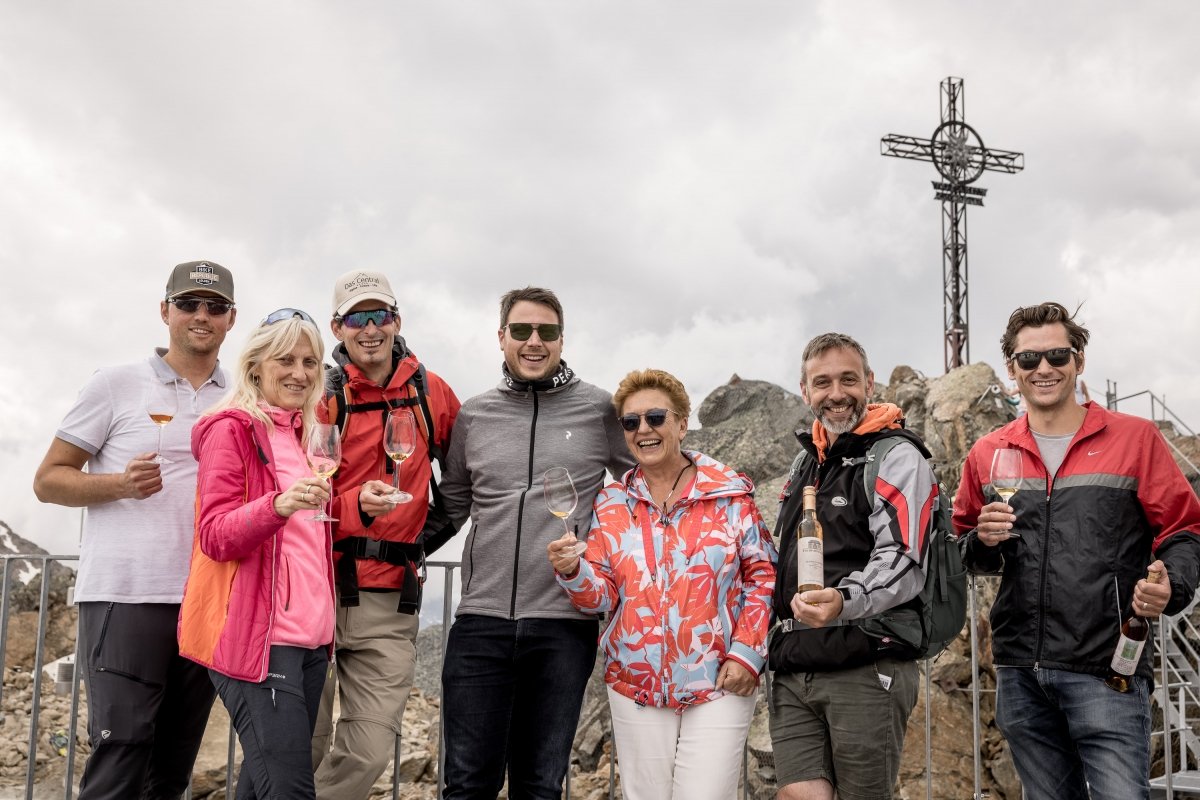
[(1178, 695)]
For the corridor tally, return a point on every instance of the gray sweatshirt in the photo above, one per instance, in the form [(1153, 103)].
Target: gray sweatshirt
[(503, 442)]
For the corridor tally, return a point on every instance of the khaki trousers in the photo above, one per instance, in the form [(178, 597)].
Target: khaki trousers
[(374, 662)]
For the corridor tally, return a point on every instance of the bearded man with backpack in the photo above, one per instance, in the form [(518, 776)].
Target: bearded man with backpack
[(842, 686), (378, 544)]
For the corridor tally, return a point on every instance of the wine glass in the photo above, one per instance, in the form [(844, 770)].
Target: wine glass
[(561, 498), (162, 403), (324, 452), (1006, 475), (399, 442)]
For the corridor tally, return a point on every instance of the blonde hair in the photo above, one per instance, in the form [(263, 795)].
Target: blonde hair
[(642, 379), (268, 342)]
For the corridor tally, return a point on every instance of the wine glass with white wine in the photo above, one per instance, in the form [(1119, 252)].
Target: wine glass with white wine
[(324, 452), (162, 403), (1006, 475), (561, 498), (399, 442)]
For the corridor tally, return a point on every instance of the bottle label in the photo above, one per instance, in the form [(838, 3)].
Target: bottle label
[(1129, 652), (810, 559)]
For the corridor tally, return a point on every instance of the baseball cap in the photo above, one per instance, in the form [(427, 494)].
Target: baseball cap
[(358, 285), (200, 276)]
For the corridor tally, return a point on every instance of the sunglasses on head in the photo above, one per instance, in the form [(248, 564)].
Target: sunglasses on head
[(190, 305), (655, 418), (547, 331), (359, 319), (285, 314), (1030, 359)]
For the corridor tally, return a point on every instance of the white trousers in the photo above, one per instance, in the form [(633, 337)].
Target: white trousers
[(696, 755)]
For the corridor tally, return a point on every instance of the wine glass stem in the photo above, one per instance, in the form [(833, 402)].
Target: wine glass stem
[(396, 476)]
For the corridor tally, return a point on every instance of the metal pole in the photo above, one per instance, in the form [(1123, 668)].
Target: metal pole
[(447, 610), (39, 654), (1168, 764), (974, 622), (928, 734), (396, 770), (4, 624)]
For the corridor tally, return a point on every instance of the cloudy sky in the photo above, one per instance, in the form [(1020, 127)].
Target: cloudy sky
[(700, 181)]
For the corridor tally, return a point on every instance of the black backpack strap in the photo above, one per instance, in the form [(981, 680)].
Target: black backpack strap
[(435, 447), (409, 555)]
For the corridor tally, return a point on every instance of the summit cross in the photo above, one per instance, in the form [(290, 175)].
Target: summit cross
[(958, 153)]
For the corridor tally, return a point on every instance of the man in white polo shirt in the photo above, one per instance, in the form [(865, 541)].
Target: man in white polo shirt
[(147, 706)]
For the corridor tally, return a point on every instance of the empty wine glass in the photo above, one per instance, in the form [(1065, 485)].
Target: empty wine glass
[(561, 498), (324, 452), (162, 403), (399, 442), (1006, 475)]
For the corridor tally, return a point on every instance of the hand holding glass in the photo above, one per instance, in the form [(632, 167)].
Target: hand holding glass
[(1006, 475), (162, 402), (399, 442), (324, 451), (561, 499)]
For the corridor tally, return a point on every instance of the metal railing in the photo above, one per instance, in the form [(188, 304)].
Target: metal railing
[(1160, 414), (1178, 696)]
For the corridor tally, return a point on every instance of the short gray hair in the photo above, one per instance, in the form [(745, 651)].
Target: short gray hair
[(831, 341)]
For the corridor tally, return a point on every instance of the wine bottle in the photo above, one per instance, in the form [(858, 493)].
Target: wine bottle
[(810, 546), (1134, 633)]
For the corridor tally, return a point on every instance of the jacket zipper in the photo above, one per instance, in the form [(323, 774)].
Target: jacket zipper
[(512, 606)]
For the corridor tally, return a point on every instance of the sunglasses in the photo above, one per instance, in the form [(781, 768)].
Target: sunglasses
[(547, 331), (190, 305), (286, 314), (1030, 359), (655, 418), (359, 319)]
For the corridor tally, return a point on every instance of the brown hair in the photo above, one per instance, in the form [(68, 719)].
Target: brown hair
[(665, 382), (1037, 316), (832, 341), (531, 294)]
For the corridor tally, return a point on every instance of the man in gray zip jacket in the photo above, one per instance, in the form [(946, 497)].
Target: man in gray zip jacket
[(519, 654)]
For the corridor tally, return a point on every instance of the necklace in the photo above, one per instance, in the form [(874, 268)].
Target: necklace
[(675, 485)]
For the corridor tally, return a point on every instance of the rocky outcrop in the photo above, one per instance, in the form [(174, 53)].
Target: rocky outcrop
[(750, 426)]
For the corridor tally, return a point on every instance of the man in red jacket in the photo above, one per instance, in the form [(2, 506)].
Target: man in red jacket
[(1101, 503), (376, 539)]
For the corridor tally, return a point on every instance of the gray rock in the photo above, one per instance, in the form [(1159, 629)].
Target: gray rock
[(749, 425)]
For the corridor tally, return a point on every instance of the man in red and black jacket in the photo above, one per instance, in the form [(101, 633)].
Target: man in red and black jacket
[(377, 547), (1101, 506)]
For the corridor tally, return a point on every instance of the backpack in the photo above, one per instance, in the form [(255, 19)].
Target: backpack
[(941, 609)]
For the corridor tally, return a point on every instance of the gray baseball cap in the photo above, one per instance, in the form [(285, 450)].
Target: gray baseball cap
[(200, 276)]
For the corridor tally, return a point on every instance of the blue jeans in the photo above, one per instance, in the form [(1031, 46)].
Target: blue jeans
[(511, 692), (1068, 732)]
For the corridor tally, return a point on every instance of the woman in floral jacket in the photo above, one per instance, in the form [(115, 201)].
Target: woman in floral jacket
[(679, 557)]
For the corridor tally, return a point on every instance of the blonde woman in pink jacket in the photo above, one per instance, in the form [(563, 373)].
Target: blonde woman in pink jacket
[(258, 606)]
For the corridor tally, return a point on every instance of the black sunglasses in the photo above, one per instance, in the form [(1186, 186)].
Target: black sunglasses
[(190, 305), (284, 314), (359, 319), (655, 418), (547, 331), (1030, 359)]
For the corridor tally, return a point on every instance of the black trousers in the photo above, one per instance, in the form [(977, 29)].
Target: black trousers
[(147, 706), (275, 720)]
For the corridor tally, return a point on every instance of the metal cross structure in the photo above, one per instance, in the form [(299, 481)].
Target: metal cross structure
[(957, 151)]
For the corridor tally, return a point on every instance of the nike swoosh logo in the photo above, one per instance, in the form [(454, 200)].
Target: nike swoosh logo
[(1094, 452)]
